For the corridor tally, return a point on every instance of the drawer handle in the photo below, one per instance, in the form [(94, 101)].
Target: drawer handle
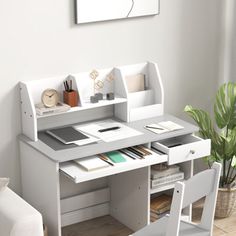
[(192, 151)]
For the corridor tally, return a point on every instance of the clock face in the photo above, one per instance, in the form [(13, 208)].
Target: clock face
[(50, 97)]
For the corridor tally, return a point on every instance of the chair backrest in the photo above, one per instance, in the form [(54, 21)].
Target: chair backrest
[(203, 184)]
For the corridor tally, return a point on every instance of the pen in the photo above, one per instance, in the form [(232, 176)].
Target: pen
[(104, 158), (108, 129), (135, 152), (70, 85), (128, 154), (151, 127)]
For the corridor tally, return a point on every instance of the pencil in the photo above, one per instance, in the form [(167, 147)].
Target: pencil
[(104, 158)]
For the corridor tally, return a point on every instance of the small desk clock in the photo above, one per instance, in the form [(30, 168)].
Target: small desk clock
[(50, 97)]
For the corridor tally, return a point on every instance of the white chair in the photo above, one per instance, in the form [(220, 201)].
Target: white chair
[(203, 184), (17, 217)]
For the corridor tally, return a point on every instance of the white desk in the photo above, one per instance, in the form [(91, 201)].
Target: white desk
[(122, 191)]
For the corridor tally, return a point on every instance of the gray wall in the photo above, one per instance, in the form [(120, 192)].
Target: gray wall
[(39, 39), (230, 42)]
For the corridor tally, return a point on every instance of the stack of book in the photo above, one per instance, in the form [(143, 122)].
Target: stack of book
[(160, 206), (162, 174)]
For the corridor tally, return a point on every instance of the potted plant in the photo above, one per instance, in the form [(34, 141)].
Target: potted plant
[(222, 132)]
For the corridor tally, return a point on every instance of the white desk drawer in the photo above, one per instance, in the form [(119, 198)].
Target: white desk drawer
[(184, 148)]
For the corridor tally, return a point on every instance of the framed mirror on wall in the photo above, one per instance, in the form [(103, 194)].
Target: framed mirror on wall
[(103, 10)]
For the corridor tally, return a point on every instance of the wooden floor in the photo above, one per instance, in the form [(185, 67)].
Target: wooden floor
[(108, 226), (222, 227), (102, 226)]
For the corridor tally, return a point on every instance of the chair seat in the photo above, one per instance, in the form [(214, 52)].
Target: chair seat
[(158, 228)]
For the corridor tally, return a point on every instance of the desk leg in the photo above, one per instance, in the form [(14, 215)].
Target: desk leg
[(187, 168), (130, 198), (40, 186)]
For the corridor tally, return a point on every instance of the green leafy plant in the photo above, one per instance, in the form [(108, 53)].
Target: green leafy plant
[(221, 131)]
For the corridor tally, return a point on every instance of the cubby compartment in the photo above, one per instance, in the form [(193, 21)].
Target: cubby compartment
[(167, 190), (99, 81), (85, 206), (118, 196), (84, 201), (183, 148), (148, 102)]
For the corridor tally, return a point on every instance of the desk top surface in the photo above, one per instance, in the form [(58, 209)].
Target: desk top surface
[(62, 152)]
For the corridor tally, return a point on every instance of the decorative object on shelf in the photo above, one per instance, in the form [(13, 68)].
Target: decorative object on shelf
[(41, 110), (50, 98), (96, 85), (110, 77), (110, 96), (94, 99), (223, 143), (99, 85), (70, 96), (50, 103), (93, 75), (99, 96)]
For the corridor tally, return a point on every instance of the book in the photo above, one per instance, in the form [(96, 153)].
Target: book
[(160, 210), (135, 83), (160, 202), (163, 127), (167, 179), (41, 110), (161, 170), (115, 156), (92, 163), (152, 219), (158, 216)]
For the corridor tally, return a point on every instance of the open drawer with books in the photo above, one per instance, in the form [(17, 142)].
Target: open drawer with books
[(183, 148), (83, 169)]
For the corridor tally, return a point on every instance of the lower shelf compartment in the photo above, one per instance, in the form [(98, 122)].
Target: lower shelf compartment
[(85, 206), (82, 215), (162, 188), (101, 226)]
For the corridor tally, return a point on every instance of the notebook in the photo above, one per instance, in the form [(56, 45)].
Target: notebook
[(67, 135), (115, 157), (163, 127), (135, 83), (92, 163)]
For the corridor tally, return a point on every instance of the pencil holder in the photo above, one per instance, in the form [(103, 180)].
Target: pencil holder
[(71, 98)]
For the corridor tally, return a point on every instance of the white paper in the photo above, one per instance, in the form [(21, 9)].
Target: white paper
[(163, 127), (170, 125), (109, 136)]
